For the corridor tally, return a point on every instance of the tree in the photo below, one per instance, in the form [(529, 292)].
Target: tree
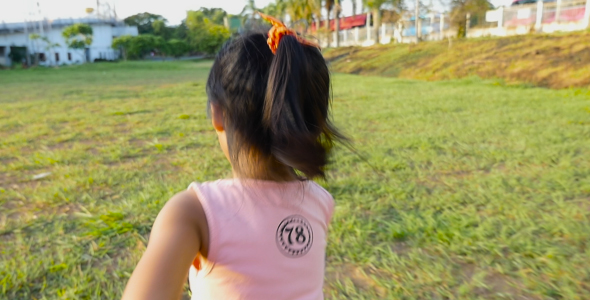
[(48, 44), (137, 47), (196, 18), (211, 37), (78, 36), (460, 9), (272, 9), (144, 21), (248, 11), (180, 31), (160, 46), (141, 45), (375, 7), (337, 9), (328, 5), (122, 44), (316, 8), (160, 29), (215, 15), (300, 12), (277, 9), (206, 32), (177, 48)]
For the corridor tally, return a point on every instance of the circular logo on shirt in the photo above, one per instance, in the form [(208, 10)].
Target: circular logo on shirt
[(294, 236)]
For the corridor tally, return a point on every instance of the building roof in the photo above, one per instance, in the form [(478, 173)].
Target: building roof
[(19, 27)]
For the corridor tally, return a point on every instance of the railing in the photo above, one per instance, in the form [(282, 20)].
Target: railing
[(433, 27), (562, 15), (560, 12)]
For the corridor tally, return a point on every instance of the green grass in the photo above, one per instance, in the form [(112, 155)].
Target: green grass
[(465, 189)]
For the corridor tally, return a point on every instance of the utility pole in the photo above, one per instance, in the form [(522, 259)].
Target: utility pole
[(28, 43), (417, 12), (442, 26), (51, 51), (40, 27), (40, 20), (368, 26)]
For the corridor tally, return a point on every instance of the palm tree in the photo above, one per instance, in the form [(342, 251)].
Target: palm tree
[(337, 9), (460, 8), (328, 5), (299, 10), (375, 8), (248, 11), (316, 9)]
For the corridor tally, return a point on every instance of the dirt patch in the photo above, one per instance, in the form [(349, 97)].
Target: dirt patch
[(439, 178), (400, 248), (15, 180), (360, 277), (6, 179), (492, 284), (16, 209), (59, 146)]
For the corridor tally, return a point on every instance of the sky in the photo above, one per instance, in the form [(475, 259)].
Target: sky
[(173, 10)]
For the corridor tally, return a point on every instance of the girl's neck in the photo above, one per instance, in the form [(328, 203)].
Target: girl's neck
[(270, 170)]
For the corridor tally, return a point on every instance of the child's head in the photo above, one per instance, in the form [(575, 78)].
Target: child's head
[(271, 110)]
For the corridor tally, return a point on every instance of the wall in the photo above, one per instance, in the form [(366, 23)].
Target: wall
[(99, 49), (125, 30), (101, 44)]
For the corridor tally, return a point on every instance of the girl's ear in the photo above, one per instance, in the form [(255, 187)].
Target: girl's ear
[(217, 117)]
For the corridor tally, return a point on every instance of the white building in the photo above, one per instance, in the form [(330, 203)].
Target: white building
[(15, 35)]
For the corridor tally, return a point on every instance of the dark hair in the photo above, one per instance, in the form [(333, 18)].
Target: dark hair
[(275, 106)]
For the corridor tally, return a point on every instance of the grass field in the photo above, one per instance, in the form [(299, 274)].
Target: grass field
[(466, 189)]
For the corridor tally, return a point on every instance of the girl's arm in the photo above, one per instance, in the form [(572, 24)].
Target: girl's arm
[(175, 240)]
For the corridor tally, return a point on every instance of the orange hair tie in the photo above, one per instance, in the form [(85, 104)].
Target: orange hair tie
[(278, 30)]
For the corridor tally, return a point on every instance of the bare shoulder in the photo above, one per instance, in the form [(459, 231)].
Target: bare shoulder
[(185, 201), (185, 208)]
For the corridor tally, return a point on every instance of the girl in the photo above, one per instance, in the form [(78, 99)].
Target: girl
[(262, 234)]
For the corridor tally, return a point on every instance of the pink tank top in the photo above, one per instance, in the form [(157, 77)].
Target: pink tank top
[(267, 240)]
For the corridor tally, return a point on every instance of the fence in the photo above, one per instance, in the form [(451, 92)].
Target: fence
[(562, 15), (432, 27), (548, 17)]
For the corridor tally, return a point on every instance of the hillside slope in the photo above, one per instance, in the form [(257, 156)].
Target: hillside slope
[(554, 61)]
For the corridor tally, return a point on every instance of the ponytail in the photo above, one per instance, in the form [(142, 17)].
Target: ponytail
[(275, 102), (296, 108)]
